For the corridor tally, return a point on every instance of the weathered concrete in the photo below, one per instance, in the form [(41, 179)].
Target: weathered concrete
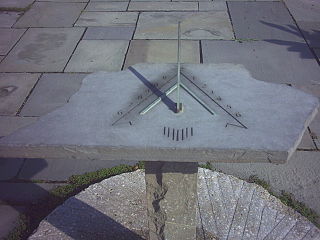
[(53, 90), (65, 0), (24, 193), (117, 210), (101, 19), (304, 10), (42, 50), (109, 33), (98, 55), (307, 142), (212, 6), (9, 168), (61, 169), (317, 52), (171, 190), (311, 32), (14, 88), (15, 4), (9, 218), (7, 19), (91, 126), (161, 51), (263, 20), (263, 59), (315, 130), (299, 176), (8, 38), (9, 124), (201, 25), (107, 6), (50, 14), (163, 6)]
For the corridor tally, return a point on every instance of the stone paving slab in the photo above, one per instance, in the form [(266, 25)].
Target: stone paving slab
[(9, 218), (62, 169), (24, 193), (125, 215), (311, 31), (212, 6), (15, 4), (64, 0), (263, 59), (7, 19), (8, 38), (52, 91), (107, 6), (14, 88), (263, 20), (317, 52), (9, 124), (42, 50), (307, 142), (101, 19), (50, 14), (304, 10), (98, 55), (161, 51), (109, 33), (197, 25), (163, 6), (9, 168), (315, 130), (1, 57), (299, 176)]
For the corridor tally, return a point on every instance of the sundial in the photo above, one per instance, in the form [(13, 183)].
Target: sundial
[(171, 116)]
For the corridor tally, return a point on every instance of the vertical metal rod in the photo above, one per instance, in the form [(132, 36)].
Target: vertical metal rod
[(178, 75)]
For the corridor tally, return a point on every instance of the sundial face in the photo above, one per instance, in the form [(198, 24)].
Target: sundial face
[(131, 115)]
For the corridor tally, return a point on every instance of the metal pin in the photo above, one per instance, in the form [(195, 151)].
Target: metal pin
[(219, 98), (192, 131), (228, 106), (164, 130), (182, 137), (168, 131), (186, 132), (178, 135), (130, 122), (172, 134), (238, 114)]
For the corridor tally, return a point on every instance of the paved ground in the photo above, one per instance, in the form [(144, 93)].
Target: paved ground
[(243, 211), (48, 47)]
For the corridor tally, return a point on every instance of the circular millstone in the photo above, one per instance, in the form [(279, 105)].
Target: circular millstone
[(228, 208)]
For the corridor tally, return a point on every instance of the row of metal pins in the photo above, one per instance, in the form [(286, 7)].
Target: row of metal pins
[(177, 134)]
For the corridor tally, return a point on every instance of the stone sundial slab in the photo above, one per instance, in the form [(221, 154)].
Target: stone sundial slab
[(227, 116)]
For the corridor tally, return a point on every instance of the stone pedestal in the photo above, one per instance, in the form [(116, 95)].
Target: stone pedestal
[(171, 189)]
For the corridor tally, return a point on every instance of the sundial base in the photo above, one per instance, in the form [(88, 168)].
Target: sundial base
[(171, 189)]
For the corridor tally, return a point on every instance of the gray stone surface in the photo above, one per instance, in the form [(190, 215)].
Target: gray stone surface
[(50, 14), (9, 218), (14, 88), (161, 51), (9, 168), (91, 126), (109, 33), (212, 6), (304, 10), (8, 38), (117, 210), (42, 50), (53, 90), (307, 142), (107, 6), (201, 25), (317, 52), (15, 4), (61, 169), (315, 130), (263, 20), (163, 6), (311, 31), (7, 19), (98, 55), (64, 0), (171, 190), (298, 176), (101, 19), (1, 57), (9, 124), (24, 193), (262, 59)]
